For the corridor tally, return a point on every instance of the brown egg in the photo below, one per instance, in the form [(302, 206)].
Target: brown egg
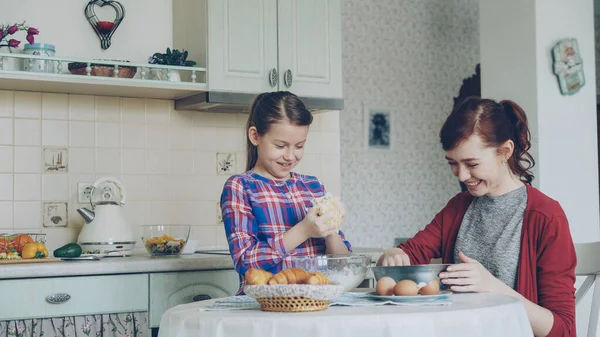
[(432, 288), (385, 286), (406, 288)]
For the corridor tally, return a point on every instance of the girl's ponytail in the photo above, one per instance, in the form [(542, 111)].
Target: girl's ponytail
[(251, 149), (521, 161)]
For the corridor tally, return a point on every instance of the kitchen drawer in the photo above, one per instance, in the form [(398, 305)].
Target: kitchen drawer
[(170, 289), (30, 298)]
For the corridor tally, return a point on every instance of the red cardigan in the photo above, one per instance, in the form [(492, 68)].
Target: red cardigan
[(546, 271)]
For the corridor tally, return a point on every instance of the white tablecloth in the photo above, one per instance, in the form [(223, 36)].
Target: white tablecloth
[(475, 315)]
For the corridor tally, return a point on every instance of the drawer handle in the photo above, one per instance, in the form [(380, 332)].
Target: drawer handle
[(58, 298), (202, 297)]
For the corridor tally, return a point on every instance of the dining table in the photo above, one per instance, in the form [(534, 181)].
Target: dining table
[(464, 315)]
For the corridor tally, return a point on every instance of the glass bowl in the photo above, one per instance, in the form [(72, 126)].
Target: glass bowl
[(165, 240), (346, 270)]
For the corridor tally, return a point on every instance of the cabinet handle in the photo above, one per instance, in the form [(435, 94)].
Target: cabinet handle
[(287, 78), (58, 298), (273, 77), (201, 297)]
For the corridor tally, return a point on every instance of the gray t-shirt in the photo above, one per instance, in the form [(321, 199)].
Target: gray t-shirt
[(490, 233)]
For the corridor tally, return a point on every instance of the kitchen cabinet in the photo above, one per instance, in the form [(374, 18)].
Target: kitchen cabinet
[(154, 293), (73, 296), (310, 47), (254, 46), (170, 289), (242, 45)]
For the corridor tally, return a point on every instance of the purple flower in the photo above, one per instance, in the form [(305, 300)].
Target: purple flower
[(32, 31), (30, 38), (13, 29), (13, 43)]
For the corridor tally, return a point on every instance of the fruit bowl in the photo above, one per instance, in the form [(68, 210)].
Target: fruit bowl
[(165, 240), (348, 271)]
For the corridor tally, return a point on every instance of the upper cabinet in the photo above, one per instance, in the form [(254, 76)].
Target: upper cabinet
[(242, 45), (268, 45), (310, 47)]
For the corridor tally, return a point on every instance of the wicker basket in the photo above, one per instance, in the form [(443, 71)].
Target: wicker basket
[(102, 70), (292, 304), (294, 297)]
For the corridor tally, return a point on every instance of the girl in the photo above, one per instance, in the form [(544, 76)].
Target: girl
[(267, 211), (509, 236)]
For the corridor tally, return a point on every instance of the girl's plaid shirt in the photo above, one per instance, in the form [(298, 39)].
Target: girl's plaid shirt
[(257, 211)]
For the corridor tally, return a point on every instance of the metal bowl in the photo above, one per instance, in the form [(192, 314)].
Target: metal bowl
[(346, 270), (417, 273)]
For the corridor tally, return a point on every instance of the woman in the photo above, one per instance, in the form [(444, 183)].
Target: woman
[(507, 236)]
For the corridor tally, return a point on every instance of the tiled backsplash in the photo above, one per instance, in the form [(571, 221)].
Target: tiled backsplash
[(173, 164)]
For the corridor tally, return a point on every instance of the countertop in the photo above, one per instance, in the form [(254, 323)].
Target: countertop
[(117, 265), (132, 265)]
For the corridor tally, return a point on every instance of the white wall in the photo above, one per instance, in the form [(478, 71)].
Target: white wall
[(513, 72), (567, 124), (146, 28)]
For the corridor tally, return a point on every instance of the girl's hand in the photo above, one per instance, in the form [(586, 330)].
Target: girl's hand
[(316, 226), (470, 276), (393, 257)]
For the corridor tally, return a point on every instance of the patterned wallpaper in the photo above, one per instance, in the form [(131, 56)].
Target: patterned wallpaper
[(409, 56)]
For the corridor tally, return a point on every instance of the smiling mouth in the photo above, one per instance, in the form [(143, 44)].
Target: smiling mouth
[(286, 165), (473, 184)]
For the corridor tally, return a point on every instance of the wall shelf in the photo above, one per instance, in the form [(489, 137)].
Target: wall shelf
[(65, 82)]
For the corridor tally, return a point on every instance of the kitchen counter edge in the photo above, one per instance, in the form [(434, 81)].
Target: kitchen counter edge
[(135, 264)]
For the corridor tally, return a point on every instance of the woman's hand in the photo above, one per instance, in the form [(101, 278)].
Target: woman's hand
[(470, 276), (315, 226), (393, 257)]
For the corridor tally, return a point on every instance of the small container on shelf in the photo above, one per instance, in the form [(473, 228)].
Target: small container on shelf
[(103, 70), (39, 66)]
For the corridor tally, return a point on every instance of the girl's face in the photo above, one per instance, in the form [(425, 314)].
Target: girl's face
[(279, 149), (482, 169)]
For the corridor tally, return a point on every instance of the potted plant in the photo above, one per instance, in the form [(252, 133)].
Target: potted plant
[(173, 57), (9, 43)]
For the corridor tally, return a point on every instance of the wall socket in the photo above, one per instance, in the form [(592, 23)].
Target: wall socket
[(83, 192)]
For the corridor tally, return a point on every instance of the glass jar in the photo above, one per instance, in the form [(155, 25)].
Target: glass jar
[(39, 66)]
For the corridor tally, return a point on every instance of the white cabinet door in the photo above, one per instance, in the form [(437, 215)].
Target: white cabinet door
[(242, 45), (310, 47)]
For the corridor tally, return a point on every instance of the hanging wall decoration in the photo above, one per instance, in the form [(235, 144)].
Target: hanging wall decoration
[(568, 66), (378, 131), (104, 29)]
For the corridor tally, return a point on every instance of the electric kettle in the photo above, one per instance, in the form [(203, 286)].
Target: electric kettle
[(106, 231)]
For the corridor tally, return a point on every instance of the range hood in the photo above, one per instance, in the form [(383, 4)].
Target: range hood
[(235, 102)]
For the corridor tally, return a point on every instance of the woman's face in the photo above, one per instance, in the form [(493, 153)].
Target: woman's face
[(280, 149), (482, 169)]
